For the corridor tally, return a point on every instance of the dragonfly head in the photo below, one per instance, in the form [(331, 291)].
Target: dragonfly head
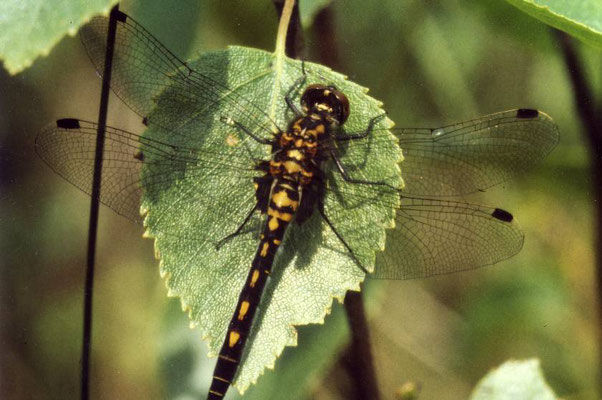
[(327, 101)]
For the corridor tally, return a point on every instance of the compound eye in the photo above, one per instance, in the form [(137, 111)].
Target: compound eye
[(314, 94), (341, 106)]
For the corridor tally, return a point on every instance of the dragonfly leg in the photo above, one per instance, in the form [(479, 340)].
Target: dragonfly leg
[(365, 133), (348, 178), (244, 129), (238, 231), (325, 217), (262, 194), (294, 87)]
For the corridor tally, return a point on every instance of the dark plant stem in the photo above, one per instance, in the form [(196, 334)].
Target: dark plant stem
[(591, 116), (323, 27), (360, 367), (94, 205), (358, 360)]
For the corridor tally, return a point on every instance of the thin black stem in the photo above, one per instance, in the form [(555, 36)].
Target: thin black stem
[(591, 117), (94, 205)]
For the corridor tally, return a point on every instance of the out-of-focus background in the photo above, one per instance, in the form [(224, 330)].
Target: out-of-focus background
[(431, 63)]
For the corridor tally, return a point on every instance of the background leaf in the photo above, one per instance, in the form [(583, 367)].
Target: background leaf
[(514, 380), (31, 28), (581, 19)]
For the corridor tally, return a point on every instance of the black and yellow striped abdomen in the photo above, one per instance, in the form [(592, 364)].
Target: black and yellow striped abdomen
[(284, 201)]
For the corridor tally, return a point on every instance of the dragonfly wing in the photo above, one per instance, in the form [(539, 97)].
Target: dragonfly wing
[(132, 163), (145, 73), (470, 156), (474, 155), (434, 237)]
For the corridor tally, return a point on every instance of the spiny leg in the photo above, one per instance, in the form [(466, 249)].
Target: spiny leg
[(231, 122), (325, 217), (349, 179), (223, 241), (365, 133), (298, 83), (262, 193)]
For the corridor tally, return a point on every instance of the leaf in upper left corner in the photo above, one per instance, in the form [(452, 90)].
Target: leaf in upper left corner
[(31, 28)]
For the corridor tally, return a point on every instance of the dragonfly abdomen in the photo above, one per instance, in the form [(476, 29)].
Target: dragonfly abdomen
[(284, 201)]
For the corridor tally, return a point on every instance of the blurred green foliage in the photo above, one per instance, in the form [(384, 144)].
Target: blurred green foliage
[(431, 63)]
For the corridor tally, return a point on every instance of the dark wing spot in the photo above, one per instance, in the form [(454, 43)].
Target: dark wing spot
[(502, 215), (68, 123), (119, 16), (526, 113)]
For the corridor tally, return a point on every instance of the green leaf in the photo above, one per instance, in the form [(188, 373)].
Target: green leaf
[(581, 19), (514, 380), (30, 28), (201, 206)]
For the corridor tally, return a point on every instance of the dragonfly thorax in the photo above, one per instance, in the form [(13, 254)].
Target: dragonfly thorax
[(327, 102)]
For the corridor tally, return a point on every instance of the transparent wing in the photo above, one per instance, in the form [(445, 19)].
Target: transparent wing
[(434, 237), (474, 155), (145, 72), (68, 147)]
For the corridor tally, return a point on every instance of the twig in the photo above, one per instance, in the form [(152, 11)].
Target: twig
[(591, 117), (361, 367), (94, 205), (324, 29), (294, 35)]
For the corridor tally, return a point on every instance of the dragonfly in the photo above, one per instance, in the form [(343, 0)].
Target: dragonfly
[(435, 232)]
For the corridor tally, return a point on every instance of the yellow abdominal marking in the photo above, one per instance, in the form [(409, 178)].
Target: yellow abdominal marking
[(292, 167), (254, 278), (221, 379), (244, 307), (285, 216), (273, 224), (234, 336), (277, 242), (296, 154), (264, 249), (281, 199)]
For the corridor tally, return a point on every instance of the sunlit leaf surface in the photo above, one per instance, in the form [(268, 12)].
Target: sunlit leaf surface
[(582, 19), (514, 380), (31, 28)]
